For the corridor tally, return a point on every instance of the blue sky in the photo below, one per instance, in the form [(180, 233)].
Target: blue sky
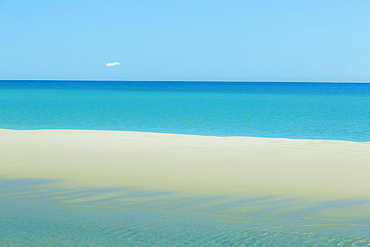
[(261, 40)]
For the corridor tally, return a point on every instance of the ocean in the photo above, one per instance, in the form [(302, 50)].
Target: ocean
[(329, 111), (36, 212)]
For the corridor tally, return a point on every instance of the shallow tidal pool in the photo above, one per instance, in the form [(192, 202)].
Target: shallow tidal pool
[(39, 213)]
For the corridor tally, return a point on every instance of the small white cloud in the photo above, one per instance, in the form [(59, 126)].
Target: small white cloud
[(112, 64), (352, 67)]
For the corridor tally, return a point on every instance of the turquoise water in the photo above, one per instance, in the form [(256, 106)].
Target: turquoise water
[(38, 213), (333, 111), (35, 213)]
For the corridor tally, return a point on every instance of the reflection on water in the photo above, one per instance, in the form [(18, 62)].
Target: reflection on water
[(37, 213)]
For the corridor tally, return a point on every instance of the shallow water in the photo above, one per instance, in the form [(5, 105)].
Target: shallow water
[(332, 111), (38, 213)]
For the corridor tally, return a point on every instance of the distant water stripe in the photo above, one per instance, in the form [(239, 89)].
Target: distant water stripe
[(333, 111), (207, 86)]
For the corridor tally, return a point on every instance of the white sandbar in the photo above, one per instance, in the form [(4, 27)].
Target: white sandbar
[(199, 165)]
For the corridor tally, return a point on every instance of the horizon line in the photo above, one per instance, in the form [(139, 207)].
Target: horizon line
[(118, 80)]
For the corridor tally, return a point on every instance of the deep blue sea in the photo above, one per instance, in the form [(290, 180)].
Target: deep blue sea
[(333, 111)]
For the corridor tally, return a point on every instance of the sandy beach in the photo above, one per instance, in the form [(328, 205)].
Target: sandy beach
[(194, 165)]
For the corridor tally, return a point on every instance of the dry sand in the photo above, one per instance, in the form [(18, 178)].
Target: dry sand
[(198, 165)]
